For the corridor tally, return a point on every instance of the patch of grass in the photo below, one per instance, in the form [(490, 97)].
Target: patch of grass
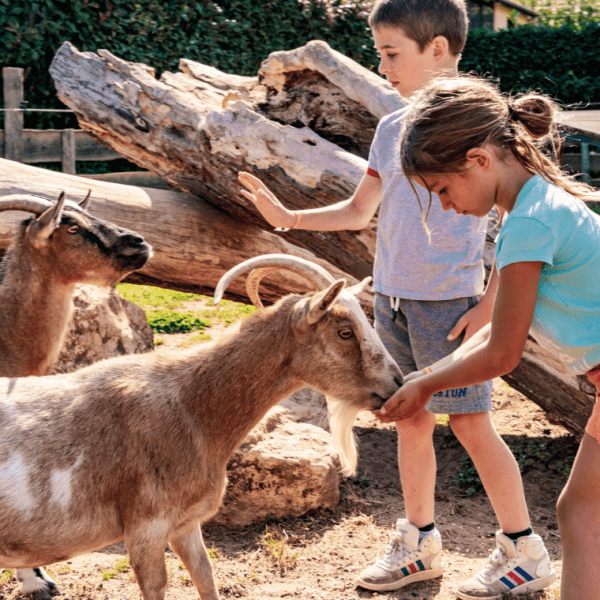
[(150, 296), (106, 575), (6, 576), (213, 553), (62, 569), (278, 550), (170, 321), (196, 339), (123, 565), (165, 309), (467, 478), (442, 420)]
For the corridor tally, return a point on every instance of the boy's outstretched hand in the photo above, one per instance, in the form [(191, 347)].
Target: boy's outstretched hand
[(265, 201), (406, 402)]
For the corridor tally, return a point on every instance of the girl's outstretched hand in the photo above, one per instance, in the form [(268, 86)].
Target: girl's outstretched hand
[(407, 401), (265, 201)]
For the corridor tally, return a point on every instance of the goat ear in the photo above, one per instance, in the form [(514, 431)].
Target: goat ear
[(85, 203), (360, 287), (321, 302), (45, 225)]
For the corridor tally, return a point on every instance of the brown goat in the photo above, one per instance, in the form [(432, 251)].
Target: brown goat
[(49, 254), (136, 447)]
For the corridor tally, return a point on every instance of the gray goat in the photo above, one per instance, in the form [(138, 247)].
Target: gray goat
[(136, 447)]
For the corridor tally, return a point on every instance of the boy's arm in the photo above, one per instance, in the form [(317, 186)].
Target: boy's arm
[(481, 314), (354, 213)]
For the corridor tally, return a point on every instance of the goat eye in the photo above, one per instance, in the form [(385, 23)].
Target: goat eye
[(346, 334), (73, 229)]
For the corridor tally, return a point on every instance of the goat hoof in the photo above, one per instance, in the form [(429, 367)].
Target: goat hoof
[(41, 594)]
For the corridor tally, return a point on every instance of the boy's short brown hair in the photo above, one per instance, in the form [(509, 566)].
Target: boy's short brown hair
[(423, 20)]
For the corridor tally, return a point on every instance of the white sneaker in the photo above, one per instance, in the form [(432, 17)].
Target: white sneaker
[(405, 560), (515, 567)]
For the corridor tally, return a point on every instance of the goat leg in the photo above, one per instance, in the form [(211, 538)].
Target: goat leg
[(37, 584), (147, 557), (190, 548)]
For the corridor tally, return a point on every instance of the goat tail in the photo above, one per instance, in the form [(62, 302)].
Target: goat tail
[(341, 419)]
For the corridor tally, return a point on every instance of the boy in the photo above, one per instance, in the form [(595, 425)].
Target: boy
[(427, 291)]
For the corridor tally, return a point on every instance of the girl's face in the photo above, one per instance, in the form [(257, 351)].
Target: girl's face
[(473, 191)]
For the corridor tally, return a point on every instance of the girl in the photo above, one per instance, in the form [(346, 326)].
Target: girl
[(476, 148)]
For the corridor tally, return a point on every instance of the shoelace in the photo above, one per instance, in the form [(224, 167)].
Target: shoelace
[(395, 549), (495, 561)]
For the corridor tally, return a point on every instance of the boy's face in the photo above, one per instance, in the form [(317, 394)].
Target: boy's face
[(401, 61)]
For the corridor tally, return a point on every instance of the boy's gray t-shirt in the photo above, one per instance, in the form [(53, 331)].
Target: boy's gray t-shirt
[(407, 265)]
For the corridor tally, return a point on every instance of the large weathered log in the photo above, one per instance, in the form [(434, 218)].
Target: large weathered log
[(178, 128), (194, 243), (303, 126)]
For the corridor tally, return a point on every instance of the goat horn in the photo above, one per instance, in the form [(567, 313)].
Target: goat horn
[(32, 204), (267, 263)]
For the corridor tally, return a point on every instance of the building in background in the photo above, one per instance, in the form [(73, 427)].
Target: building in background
[(499, 14)]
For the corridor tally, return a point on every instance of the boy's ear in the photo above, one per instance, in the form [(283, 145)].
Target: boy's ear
[(440, 46), (479, 156)]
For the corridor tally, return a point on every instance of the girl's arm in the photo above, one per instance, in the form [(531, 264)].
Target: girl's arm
[(354, 213), (491, 353)]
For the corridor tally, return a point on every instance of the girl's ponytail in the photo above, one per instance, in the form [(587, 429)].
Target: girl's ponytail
[(451, 116), (535, 113)]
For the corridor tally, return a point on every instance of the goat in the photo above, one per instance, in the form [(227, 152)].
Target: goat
[(48, 255), (136, 447), (64, 245)]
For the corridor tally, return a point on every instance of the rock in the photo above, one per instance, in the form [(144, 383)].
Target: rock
[(307, 406), (103, 325), (283, 469)]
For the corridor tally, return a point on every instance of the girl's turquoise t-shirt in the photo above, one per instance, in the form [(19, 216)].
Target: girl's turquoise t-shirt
[(548, 224)]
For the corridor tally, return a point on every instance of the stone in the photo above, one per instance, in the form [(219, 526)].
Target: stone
[(283, 469), (103, 325)]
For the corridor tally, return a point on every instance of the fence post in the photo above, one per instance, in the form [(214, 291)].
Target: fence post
[(67, 139), (13, 119)]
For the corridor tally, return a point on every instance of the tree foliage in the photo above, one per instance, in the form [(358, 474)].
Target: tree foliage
[(236, 35)]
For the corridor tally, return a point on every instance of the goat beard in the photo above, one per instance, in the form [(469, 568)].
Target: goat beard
[(341, 421)]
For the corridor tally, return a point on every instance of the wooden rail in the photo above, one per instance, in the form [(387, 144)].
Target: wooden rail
[(37, 145)]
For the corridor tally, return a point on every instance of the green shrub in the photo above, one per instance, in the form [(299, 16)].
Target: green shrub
[(170, 321), (237, 35), (562, 62)]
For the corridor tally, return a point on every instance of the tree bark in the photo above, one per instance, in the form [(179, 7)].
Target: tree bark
[(194, 243), (303, 126)]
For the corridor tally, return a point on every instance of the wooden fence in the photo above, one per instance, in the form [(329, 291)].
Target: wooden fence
[(37, 145)]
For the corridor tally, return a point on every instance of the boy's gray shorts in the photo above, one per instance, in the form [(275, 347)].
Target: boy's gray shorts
[(417, 338)]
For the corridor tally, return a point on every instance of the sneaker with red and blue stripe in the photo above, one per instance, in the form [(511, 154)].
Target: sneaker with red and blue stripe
[(404, 560), (515, 567)]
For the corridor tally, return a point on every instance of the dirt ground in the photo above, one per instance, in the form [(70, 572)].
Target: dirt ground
[(319, 555)]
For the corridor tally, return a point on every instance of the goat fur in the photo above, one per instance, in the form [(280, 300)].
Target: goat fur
[(49, 254), (136, 447)]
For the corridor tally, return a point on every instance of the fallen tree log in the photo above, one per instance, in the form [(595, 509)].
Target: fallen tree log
[(194, 243), (303, 125), (192, 129)]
